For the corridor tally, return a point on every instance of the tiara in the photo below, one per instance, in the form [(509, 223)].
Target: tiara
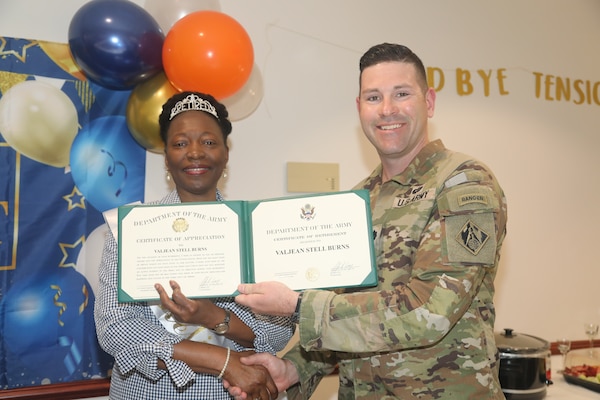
[(193, 102)]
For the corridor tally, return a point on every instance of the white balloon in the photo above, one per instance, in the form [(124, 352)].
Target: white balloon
[(246, 100), (90, 256), (40, 121), (167, 12)]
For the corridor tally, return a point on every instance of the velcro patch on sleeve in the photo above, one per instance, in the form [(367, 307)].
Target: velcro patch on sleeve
[(470, 238), (468, 198)]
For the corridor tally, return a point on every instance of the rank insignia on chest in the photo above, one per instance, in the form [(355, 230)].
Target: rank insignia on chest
[(472, 238)]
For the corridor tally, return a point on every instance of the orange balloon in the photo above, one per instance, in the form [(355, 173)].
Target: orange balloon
[(208, 51)]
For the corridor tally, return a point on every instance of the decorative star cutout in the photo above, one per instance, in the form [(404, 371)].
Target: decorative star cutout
[(75, 199), (22, 56), (64, 246)]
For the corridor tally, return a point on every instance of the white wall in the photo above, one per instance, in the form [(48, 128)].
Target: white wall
[(543, 151)]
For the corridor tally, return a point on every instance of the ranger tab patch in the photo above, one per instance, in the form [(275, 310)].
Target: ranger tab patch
[(472, 238), (470, 198)]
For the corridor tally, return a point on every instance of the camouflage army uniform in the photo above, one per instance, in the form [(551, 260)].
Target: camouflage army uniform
[(427, 330)]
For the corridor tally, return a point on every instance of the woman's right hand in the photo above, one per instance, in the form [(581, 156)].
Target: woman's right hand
[(205, 358), (253, 380), (283, 373)]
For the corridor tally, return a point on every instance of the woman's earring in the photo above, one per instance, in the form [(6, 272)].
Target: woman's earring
[(168, 175), (225, 173)]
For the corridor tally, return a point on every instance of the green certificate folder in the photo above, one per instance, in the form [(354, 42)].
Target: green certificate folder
[(319, 241)]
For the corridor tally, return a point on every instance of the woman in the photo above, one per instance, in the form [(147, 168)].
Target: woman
[(156, 356)]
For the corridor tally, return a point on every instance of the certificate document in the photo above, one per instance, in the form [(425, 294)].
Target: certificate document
[(319, 241)]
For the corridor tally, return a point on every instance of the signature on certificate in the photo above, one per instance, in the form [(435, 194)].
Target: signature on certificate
[(208, 282), (340, 267)]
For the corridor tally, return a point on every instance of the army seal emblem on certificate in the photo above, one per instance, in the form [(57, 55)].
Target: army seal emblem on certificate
[(180, 225), (307, 212), (312, 274)]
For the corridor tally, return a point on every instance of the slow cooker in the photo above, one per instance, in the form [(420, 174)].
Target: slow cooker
[(524, 365)]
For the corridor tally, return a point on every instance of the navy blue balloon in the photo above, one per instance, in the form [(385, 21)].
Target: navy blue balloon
[(116, 43)]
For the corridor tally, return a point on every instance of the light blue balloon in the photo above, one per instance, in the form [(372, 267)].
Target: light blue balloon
[(107, 164)]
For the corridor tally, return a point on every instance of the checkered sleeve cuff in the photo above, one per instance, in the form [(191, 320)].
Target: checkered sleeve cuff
[(144, 359)]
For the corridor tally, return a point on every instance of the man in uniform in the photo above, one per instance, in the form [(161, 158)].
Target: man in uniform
[(439, 218)]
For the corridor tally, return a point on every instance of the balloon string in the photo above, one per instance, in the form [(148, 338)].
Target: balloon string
[(112, 168), (63, 306), (83, 305)]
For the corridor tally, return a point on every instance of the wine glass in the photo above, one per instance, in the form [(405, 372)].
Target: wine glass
[(563, 345), (591, 330)]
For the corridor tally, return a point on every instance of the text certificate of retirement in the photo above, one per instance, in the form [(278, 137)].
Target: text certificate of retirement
[(195, 244), (320, 241)]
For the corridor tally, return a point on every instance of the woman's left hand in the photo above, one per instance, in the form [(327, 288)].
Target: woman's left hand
[(189, 311)]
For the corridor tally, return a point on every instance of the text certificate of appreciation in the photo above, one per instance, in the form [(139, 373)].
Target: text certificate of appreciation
[(196, 244)]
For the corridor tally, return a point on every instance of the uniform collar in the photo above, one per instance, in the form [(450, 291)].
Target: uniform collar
[(417, 167)]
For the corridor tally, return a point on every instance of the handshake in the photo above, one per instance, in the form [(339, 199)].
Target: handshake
[(246, 375), (271, 376)]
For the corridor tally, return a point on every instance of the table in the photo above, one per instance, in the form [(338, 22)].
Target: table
[(562, 390)]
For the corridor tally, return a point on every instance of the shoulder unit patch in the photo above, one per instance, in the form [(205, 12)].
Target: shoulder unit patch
[(472, 238)]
